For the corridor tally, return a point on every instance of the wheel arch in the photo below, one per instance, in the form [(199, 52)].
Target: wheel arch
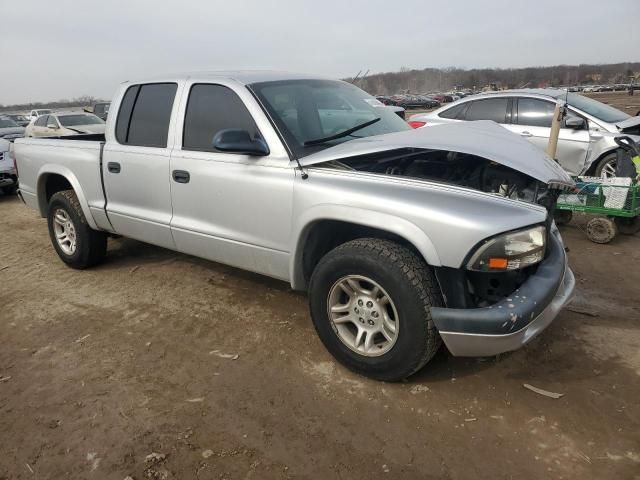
[(590, 171), (318, 232), (56, 178)]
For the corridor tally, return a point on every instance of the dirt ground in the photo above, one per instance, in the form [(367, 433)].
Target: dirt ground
[(221, 374)]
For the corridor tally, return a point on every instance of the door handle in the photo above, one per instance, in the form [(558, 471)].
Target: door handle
[(113, 167), (526, 134), (181, 176)]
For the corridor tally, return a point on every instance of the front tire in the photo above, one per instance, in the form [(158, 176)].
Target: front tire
[(607, 166), (77, 244), (370, 302)]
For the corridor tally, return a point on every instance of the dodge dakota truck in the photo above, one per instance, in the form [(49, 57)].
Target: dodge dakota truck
[(403, 238)]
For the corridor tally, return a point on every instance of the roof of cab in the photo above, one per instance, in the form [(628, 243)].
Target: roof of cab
[(242, 76)]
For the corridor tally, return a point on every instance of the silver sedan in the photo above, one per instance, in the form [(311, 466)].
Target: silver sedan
[(586, 144)]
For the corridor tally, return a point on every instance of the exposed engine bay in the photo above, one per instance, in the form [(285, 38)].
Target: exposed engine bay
[(463, 288), (454, 168)]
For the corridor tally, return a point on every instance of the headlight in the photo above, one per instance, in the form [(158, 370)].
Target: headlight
[(510, 251)]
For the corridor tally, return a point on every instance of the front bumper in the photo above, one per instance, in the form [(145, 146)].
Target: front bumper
[(514, 321)]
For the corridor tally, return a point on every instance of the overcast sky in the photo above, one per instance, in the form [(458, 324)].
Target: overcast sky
[(64, 48)]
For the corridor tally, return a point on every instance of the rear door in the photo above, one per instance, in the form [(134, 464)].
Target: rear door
[(532, 119), (136, 164)]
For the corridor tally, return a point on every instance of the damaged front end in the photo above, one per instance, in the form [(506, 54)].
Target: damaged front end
[(510, 286)]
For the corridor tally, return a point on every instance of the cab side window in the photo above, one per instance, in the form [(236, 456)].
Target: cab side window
[(145, 114), (212, 108)]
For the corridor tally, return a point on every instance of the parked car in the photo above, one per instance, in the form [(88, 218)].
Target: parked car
[(65, 123), (21, 120), (38, 112), (586, 144), (8, 176), (100, 109), (402, 238), (10, 129)]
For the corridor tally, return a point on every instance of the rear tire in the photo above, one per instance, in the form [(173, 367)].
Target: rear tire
[(396, 273), (77, 244), (628, 226), (562, 217)]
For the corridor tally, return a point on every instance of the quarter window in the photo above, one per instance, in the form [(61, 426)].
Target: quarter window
[(144, 115), (212, 108), (490, 109), (535, 113)]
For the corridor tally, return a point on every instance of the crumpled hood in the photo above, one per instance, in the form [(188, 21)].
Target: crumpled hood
[(483, 138), (629, 122)]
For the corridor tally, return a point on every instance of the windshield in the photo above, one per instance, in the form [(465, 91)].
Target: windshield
[(74, 120), (597, 109), (320, 113), (7, 123)]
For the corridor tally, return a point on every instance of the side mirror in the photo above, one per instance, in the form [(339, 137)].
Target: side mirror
[(237, 140), (575, 123)]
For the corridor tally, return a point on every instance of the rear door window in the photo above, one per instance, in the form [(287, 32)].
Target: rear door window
[(145, 114), (534, 112), (490, 109), (456, 112), (41, 121), (212, 108)]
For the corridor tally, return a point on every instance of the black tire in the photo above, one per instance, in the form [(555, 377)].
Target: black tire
[(601, 230), (606, 160), (628, 226), (90, 245), (413, 289), (562, 217)]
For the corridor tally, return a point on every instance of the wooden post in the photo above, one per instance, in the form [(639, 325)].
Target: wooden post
[(552, 147)]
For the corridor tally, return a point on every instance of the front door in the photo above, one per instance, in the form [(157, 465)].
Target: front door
[(136, 165), (532, 119), (231, 208)]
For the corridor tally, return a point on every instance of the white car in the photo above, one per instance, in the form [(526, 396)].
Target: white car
[(64, 124), (37, 113)]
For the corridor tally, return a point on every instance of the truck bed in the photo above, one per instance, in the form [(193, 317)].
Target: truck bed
[(75, 159)]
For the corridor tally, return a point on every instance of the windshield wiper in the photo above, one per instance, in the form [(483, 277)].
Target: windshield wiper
[(344, 133)]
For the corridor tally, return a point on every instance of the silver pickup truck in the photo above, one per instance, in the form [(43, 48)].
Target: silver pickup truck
[(402, 238)]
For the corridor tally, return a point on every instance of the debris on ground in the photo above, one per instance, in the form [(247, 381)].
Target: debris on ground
[(416, 389), (195, 400), (581, 311), (154, 458), (207, 453), (472, 419), (540, 391), (5, 379), (82, 338), (232, 356), (134, 269)]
